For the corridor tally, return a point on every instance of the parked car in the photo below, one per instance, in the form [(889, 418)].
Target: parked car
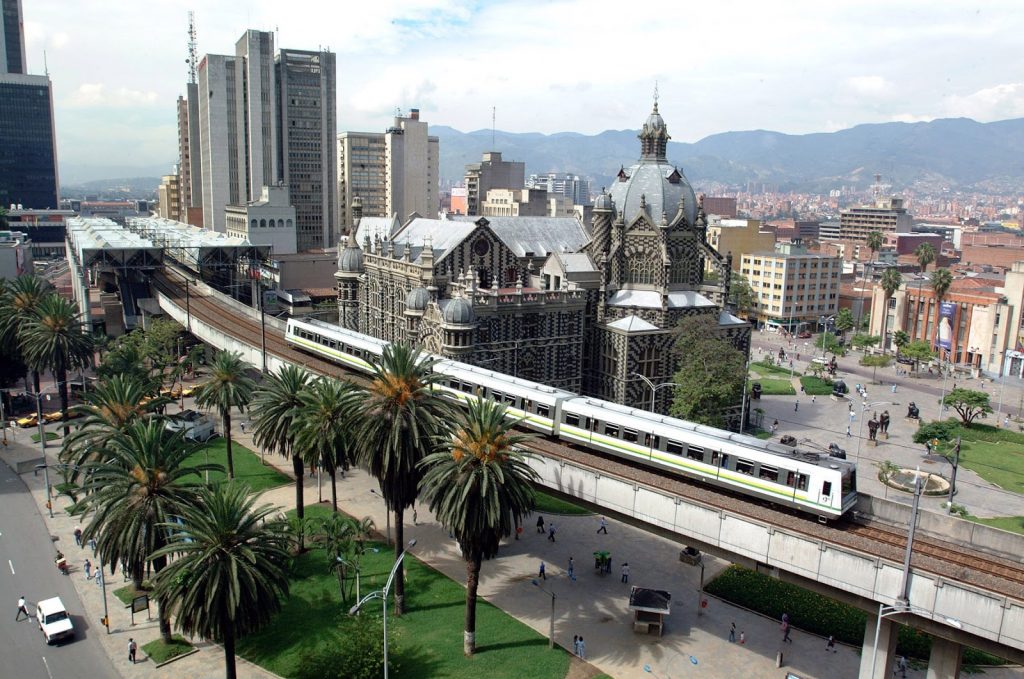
[(54, 621), (805, 334), (28, 421), (904, 360)]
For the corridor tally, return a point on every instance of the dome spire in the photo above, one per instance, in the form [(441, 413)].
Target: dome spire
[(655, 96), (654, 134)]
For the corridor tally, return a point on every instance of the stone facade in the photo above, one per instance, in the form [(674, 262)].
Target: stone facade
[(589, 309)]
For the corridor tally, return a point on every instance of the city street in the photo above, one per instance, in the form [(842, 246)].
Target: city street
[(26, 557)]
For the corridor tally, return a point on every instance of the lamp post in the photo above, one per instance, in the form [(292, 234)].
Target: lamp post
[(551, 626), (188, 308), (824, 329), (955, 462), (1002, 381), (353, 566), (655, 387), (743, 398), (42, 448), (382, 594), (860, 429)]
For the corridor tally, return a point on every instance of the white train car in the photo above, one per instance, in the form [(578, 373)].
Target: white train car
[(352, 349), (811, 482)]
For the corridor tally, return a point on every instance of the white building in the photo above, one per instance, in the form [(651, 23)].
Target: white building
[(411, 157), (792, 286), (269, 220)]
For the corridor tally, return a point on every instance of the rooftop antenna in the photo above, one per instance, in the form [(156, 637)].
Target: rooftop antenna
[(494, 113), (191, 61), (46, 68), (655, 95)]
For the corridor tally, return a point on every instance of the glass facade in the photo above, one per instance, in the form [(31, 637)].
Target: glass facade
[(28, 168)]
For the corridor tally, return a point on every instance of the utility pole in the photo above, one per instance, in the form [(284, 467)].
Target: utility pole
[(956, 465)]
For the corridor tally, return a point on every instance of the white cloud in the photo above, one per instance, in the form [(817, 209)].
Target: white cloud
[(910, 118), (992, 103), (869, 85), (96, 95)]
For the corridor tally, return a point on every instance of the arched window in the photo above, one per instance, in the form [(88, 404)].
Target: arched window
[(289, 223), (640, 269), (252, 224), (263, 223)]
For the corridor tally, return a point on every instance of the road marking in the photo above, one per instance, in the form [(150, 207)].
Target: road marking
[(11, 565), (47, 666)]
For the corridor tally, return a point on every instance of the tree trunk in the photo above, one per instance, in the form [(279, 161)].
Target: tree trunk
[(334, 489), (136, 572), (62, 384), (229, 650), (163, 615), (399, 548), (227, 443), (472, 582), (300, 507), (35, 381)]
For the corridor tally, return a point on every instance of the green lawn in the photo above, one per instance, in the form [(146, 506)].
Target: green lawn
[(159, 652), (773, 387), (1014, 524), (549, 504), (762, 368), (50, 436), (128, 592), (997, 455), (815, 386), (247, 465), (425, 642)]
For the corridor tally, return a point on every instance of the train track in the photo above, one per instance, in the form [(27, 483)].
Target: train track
[(930, 555)]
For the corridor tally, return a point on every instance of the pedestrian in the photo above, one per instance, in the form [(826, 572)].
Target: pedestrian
[(743, 637), (132, 649), (540, 524), (796, 406), (99, 577), (242, 425), (814, 398), (519, 531), (78, 535), (1006, 422), (542, 574), (785, 632), (901, 665), (604, 526), (732, 634), (848, 434), (88, 569), (831, 645), (572, 570), (92, 545), (22, 608), (576, 644), (625, 572), (894, 387), (582, 650), (551, 532), (415, 517), (775, 426)]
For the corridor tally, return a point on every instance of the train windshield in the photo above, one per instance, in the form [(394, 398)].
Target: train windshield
[(849, 482)]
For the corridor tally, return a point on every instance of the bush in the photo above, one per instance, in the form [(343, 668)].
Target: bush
[(356, 651), (815, 386), (819, 614)]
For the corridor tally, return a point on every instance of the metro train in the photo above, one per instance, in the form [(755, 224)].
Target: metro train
[(811, 482)]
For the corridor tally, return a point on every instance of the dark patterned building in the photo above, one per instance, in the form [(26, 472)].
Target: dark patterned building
[(548, 299)]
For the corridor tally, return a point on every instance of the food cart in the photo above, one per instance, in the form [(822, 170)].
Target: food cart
[(649, 606)]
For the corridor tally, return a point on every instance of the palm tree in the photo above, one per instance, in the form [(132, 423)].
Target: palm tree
[(274, 407), (402, 420), (110, 408), (342, 538), (900, 339), (925, 254), (323, 433), (53, 338), (891, 282), (230, 570), (480, 491), (19, 301), (136, 487), (229, 387)]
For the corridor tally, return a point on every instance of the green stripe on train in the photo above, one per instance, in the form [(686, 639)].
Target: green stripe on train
[(332, 353)]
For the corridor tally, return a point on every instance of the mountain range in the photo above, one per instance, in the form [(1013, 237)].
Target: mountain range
[(951, 153)]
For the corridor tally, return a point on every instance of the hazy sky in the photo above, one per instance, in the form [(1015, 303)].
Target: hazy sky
[(548, 66)]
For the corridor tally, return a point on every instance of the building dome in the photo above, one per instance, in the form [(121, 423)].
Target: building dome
[(417, 299), (458, 311), (604, 202), (351, 260)]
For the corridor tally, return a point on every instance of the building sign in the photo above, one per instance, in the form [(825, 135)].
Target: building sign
[(944, 339)]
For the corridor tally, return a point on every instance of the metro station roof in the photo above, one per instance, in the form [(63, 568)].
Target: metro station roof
[(100, 240)]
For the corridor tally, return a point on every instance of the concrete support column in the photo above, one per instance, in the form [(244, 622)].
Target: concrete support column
[(886, 655), (944, 662)]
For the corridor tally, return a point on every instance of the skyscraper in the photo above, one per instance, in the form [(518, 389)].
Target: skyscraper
[(411, 156), (28, 146), (256, 112), (361, 172), (306, 136), (218, 138), (491, 173)]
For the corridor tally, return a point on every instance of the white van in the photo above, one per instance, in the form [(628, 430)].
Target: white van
[(197, 426), (54, 620)]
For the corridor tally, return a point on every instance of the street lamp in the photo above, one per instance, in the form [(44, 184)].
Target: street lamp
[(551, 627), (825, 320), (382, 594), (655, 387), (42, 447), (860, 429)]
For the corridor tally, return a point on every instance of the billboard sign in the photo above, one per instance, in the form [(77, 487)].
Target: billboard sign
[(944, 338)]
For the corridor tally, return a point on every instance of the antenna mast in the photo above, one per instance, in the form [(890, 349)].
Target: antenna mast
[(494, 113), (191, 61)]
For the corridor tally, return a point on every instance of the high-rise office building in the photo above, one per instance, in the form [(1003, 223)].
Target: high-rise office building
[(411, 157), (12, 38), (361, 172), (28, 145), (491, 173), (218, 138), (887, 215), (307, 128), (256, 112)]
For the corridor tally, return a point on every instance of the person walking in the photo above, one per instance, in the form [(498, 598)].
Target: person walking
[(542, 574), (132, 649), (831, 645), (625, 572), (732, 634), (582, 650), (78, 535), (92, 545), (22, 608), (576, 644), (848, 432), (785, 632), (572, 570), (551, 532), (901, 666), (604, 526), (99, 577), (519, 531), (814, 398), (88, 569), (796, 406), (540, 524), (743, 637)]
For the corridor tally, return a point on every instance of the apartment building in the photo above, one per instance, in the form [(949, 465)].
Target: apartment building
[(491, 173), (887, 216), (792, 286), (361, 172)]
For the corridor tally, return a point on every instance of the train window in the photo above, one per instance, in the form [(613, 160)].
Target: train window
[(543, 411), (695, 453), (725, 461), (769, 474), (674, 447), (826, 488), (467, 387), (510, 399), (611, 430), (714, 457), (497, 396), (849, 484), (630, 435), (572, 420), (801, 481), (745, 467)]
